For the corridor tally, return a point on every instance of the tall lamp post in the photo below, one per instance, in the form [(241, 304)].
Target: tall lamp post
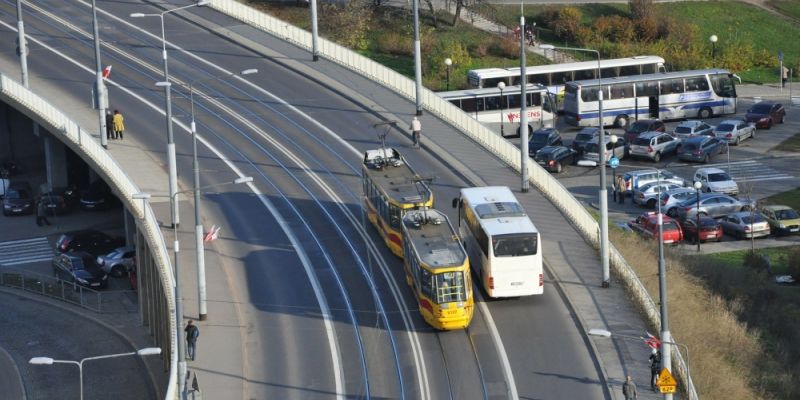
[(602, 194), (447, 62), (713, 39), (417, 59), (198, 227), (697, 185), (22, 45), (502, 85), (177, 290), (101, 95), (171, 158), (147, 351)]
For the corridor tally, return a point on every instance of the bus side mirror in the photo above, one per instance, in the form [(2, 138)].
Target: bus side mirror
[(455, 202)]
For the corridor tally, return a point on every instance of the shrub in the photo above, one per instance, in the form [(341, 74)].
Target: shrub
[(506, 47), (347, 24), (567, 22), (394, 43)]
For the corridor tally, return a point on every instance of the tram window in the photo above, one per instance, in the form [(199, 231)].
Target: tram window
[(469, 105), (560, 78), (542, 79), (629, 70), (513, 101), (697, 84), (492, 103), (394, 216), (646, 89), (426, 282), (610, 72), (450, 287), (585, 74)]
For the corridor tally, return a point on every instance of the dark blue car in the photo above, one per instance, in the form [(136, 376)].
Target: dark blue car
[(701, 149), (543, 137)]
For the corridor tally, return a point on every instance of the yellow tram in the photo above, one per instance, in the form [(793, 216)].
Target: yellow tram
[(391, 187), (437, 269)]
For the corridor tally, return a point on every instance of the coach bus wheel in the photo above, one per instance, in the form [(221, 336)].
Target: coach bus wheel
[(704, 113)]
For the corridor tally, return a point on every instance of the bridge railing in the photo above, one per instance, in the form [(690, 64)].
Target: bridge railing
[(541, 179)]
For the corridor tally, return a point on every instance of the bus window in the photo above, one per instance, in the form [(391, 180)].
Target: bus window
[(629, 70), (646, 89), (514, 80), (492, 82), (677, 85), (589, 94), (469, 105), (534, 99), (515, 245), (560, 78), (609, 72), (649, 69), (621, 91), (492, 103), (512, 101), (723, 85), (456, 102), (479, 104), (585, 74), (542, 79), (696, 84)]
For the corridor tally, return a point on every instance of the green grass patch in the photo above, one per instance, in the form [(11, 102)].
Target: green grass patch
[(790, 144), (778, 256), (789, 198), (786, 7)]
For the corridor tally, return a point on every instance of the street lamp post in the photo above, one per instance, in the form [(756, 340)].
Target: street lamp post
[(100, 88), (501, 86), (602, 194), (697, 185), (147, 351), (523, 112), (198, 227), (22, 45), (447, 62), (178, 299), (713, 40), (417, 59), (613, 164), (171, 157)]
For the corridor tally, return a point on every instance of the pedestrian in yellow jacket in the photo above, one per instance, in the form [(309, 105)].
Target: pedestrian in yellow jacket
[(119, 125)]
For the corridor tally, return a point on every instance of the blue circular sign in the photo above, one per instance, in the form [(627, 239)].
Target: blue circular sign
[(613, 162)]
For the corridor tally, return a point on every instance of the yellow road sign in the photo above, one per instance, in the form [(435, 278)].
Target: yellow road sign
[(667, 389), (665, 379)]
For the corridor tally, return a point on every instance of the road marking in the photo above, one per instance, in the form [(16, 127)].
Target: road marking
[(15, 252)]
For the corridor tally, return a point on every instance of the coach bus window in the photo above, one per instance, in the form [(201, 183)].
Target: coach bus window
[(696, 84), (456, 102), (585, 74), (646, 89), (492, 103), (492, 82), (560, 78), (514, 81), (469, 105), (649, 69), (612, 72), (621, 91), (589, 94), (541, 79), (723, 85), (513, 101), (534, 99), (629, 70), (515, 245)]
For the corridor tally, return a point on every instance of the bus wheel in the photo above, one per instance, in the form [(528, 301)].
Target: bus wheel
[(704, 113), (621, 121)]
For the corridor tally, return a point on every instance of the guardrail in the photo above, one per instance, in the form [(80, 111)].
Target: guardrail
[(44, 113), (541, 179)]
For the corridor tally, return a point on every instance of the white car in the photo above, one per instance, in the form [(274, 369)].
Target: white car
[(716, 180), (734, 131), (692, 128), (653, 145)]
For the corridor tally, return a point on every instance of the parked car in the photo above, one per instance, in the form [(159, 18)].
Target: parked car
[(713, 205), (583, 137), (88, 240), (98, 197), (671, 198), (118, 262), (745, 225), (783, 220), (710, 229), (54, 204), (18, 199), (543, 137), (643, 125), (653, 145), (765, 114), (636, 179), (79, 268), (554, 158), (647, 226), (716, 180), (692, 128), (701, 149), (734, 131), (646, 195), (593, 150)]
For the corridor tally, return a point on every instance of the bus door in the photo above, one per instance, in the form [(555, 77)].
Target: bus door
[(653, 107)]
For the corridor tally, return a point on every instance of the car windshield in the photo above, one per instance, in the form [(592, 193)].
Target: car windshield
[(583, 137), (786, 214), (539, 138), (755, 219), (638, 127), (683, 129), (642, 141), (17, 194), (718, 177), (761, 109), (725, 128), (689, 146), (708, 222)]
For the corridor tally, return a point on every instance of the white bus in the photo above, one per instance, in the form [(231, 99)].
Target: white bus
[(670, 95), (554, 76), (487, 105), (504, 247)]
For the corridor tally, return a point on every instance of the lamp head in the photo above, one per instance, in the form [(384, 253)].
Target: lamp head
[(137, 15), (697, 185), (448, 62), (613, 138), (546, 46), (41, 361), (713, 38), (501, 85), (249, 71)]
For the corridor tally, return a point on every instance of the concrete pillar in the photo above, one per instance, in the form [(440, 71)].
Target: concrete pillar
[(55, 159)]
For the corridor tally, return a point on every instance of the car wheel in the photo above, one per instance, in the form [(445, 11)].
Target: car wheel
[(769, 124), (118, 271), (651, 203), (702, 214), (782, 118), (753, 134), (657, 157), (621, 121), (706, 159), (738, 139), (704, 113), (558, 168)]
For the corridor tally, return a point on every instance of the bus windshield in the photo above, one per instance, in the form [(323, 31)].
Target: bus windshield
[(450, 287), (515, 245)]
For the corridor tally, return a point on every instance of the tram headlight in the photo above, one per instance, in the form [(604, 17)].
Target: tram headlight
[(460, 304)]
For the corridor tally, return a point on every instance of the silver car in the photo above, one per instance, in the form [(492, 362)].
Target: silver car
[(734, 131), (653, 145), (745, 224), (592, 149), (646, 195), (713, 205), (118, 262), (672, 198), (691, 128)]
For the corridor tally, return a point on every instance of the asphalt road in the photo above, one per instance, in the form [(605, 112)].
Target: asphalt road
[(323, 303)]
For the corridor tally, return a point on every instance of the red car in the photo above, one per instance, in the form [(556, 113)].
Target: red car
[(710, 229), (647, 226), (643, 125), (765, 114)]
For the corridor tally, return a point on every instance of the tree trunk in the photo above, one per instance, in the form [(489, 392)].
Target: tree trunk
[(457, 16), (433, 14)]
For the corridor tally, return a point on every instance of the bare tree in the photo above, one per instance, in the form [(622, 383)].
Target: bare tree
[(433, 13)]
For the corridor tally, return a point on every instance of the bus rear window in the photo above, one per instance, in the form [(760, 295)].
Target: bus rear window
[(515, 245)]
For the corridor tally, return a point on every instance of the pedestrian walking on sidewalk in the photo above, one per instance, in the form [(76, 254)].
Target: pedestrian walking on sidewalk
[(655, 368), (629, 389), (416, 131), (192, 332), (620, 184), (109, 125), (784, 75), (119, 125), (41, 213)]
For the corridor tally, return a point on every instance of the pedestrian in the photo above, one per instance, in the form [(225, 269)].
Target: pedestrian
[(517, 32), (192, 332), (655, 368), (621, 189), (629, 389), (41, 213), (784, 75), (109, 125), (614, 189), (119, 125), (416, 131)]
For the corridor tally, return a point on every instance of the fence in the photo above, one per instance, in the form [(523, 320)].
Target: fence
[(542, 180)]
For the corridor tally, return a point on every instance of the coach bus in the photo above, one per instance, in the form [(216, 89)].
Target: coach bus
[(554, 76), (390, 188), (437, 269), (670, 95), (504, 247), (494, 105)]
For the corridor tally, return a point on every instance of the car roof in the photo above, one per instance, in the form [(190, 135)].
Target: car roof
[(690, 123), (550, 149), (698, 139), (731, 121), (777, 207), (545, 130), (679, 190), (709, 170), (650, 134), (743, 214)]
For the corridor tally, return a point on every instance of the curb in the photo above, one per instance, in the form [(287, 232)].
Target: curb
[(13, 364)]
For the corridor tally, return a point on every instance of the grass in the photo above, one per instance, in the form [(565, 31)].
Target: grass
[(790, 144), (778, 256), (789, 198), (786, 7)]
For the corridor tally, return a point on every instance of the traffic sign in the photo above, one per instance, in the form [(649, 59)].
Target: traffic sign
[(613, 162), (665, 379), (667, 389)]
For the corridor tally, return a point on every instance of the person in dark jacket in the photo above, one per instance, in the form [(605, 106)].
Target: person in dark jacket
[(192, 332), (41, 213), (655, 368), (629, 389), (109, 125)]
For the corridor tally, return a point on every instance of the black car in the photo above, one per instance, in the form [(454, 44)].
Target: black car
[(54, 204), (543, 137), (701, 149), (88, 240), (98, 197), (554, 158), (79, 268), (583, 137), (18, 199)]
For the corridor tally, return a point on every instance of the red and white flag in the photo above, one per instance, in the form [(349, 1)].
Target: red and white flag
[(212, 234), (652, 341), (106, 72)]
